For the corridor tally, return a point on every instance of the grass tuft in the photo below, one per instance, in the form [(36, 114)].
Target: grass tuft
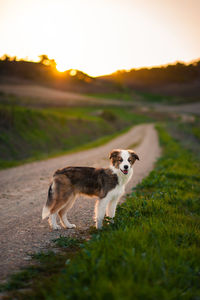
[(66, 242)]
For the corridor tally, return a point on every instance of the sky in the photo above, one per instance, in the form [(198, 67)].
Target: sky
[(101, 36)]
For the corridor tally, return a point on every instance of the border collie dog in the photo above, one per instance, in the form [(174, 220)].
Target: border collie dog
[(108, 184)]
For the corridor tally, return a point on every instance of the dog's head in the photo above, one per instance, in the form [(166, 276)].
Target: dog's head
[(123, 159)]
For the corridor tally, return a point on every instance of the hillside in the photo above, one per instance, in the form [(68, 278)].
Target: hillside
[(171, 80), (174, 80), (45, 73)]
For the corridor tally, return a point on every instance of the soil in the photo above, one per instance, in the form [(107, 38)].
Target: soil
[(52, 97)]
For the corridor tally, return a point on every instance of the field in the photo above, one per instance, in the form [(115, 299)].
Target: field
[(30, 133), (34, 128), (150, 252), (152, 249)]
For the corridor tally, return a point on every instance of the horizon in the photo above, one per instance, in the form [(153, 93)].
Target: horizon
[(103, 36), (102, 75)]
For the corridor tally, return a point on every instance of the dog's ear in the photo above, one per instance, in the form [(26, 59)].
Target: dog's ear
[(114, 153), (134, 155)]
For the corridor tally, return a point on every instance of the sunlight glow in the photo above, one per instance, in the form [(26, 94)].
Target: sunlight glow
[(61, 68), (73, 73), (99, 37)]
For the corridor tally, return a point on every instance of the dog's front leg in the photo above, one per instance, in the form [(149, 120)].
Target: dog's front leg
[(100, 211), (111, 207)]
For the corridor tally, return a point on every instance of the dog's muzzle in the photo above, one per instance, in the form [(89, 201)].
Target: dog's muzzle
[(125, 171)]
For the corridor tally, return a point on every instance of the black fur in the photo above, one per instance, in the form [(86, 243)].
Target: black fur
[(90, 181), (49, 197)]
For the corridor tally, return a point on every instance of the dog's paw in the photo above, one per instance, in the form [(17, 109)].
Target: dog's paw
[(56, 227), (71, 226), (98, 226), (99, 223)]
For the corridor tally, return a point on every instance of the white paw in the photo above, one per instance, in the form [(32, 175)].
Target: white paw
[(56, 227), (71, 226), (98, 225)]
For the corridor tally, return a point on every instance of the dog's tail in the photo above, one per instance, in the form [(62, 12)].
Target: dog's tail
[(46, 208), (45, 212)]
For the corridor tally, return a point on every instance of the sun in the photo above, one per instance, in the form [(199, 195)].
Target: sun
[(61, 68), (73, 72)]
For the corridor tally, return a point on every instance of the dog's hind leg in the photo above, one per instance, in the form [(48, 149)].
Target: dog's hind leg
[(63, 213), (52, 221)]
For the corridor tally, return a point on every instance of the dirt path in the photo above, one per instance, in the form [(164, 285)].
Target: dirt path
[(23, 192)]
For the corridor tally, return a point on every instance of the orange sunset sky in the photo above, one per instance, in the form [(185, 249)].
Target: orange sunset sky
[(101, 36)]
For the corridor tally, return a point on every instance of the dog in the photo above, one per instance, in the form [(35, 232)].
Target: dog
[(108, 184)]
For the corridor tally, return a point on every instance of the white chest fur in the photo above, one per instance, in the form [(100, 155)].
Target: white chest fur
[(109, 203), (122, 178)]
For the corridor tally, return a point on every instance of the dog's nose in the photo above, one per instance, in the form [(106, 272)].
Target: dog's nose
[(125, 167)]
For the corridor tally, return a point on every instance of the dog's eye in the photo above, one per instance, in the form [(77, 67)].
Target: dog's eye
[(129, 160), (121, 160)]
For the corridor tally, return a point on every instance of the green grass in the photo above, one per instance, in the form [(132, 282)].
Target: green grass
[(46, 261), (124, 95), (187, 133), (67, 242), (33, 134), (28, 134), (196, 132), (152, 249), (149, 97), (155, 98), (47, 264)]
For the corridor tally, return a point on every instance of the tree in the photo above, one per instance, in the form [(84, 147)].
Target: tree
[(45, 60), (5, 57)]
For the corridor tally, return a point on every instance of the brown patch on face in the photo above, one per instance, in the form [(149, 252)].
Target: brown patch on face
[(133, 157), (116, 158)]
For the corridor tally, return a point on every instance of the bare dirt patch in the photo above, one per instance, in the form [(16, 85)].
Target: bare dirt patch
[(52, 97)]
